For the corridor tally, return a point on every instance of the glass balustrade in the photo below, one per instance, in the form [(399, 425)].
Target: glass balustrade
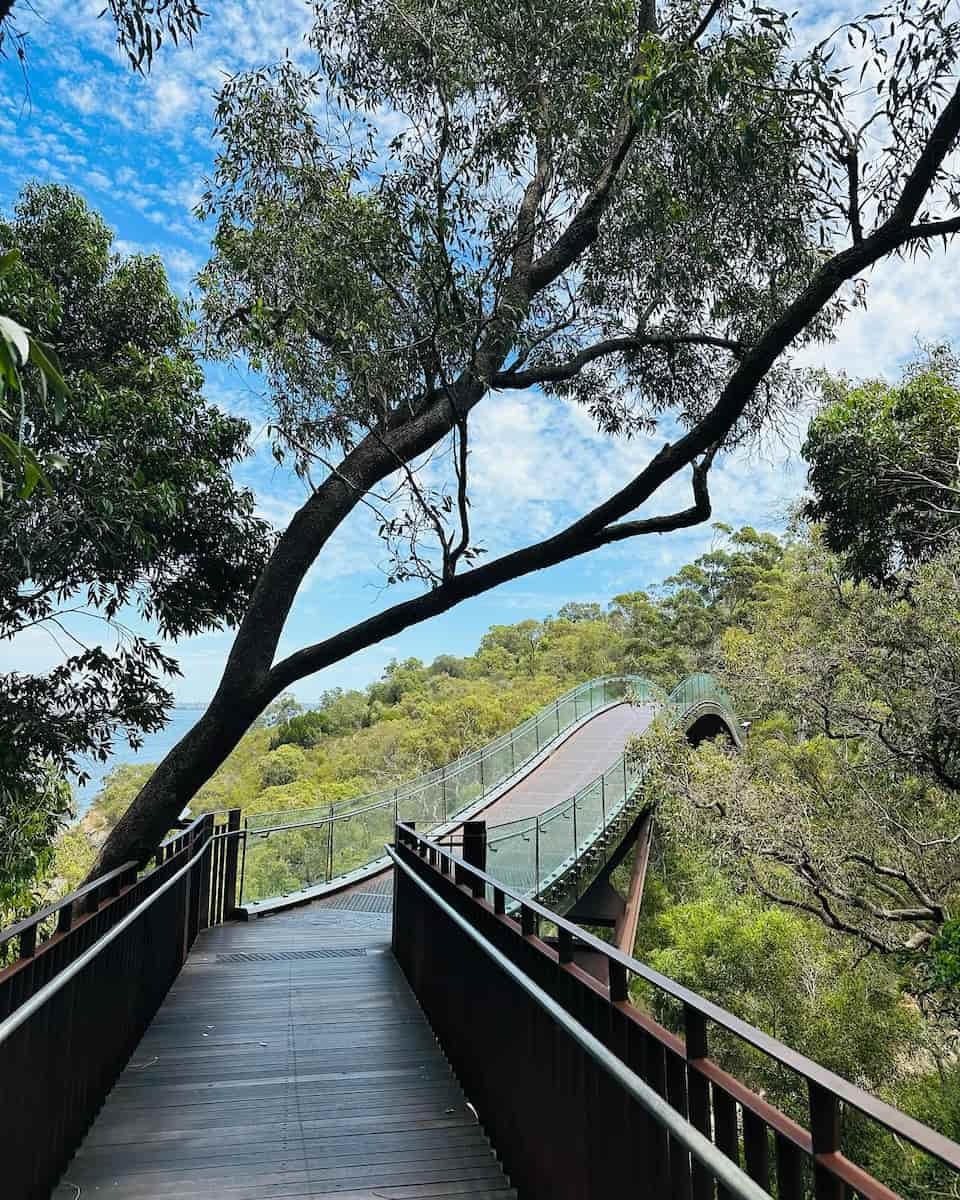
[(294, 849)]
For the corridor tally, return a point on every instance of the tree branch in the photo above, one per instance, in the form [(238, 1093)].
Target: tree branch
[(463, 501), (576, 539), (704, 23), (557, 372), (932, 229)]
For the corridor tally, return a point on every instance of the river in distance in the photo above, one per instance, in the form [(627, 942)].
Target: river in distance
[(155, 746)]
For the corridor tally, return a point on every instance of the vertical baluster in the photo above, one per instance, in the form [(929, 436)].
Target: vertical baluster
[(698, 1093), (680, 1177), (725, 1132), (756, 1149), (825, 1134), (789, 1169), (655, 1073)]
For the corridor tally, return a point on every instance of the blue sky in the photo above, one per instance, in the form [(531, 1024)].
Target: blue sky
[(139, 149)]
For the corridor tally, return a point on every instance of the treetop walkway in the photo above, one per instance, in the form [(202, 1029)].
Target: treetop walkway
[(429, 1023)]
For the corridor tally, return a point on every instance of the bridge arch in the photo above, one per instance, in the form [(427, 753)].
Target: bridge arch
[(708, 721)]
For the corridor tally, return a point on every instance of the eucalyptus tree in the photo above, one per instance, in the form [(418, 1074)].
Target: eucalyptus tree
[(846, 803), (142, 26), (641, 208), (885, 468)]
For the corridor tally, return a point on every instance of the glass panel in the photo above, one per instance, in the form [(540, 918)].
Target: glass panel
[(511, 857), (613, 789), (286, 861), (526, 745), (556, 841), (589, 814), (546, 729)]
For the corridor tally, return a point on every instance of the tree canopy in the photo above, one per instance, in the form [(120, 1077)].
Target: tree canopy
[(641, 208), (141, 512), (141, 26), (885, 468)]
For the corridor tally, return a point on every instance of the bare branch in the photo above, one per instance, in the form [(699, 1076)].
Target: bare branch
[(704, 23), (573, 541), (557, 372)]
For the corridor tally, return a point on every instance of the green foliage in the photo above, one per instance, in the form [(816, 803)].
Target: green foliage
[(140, 510), (675, 633), (885, 468), (932, 1097), (783, 973), (335, 263), (33, 806), (306, 729), (846, 801), (935, 977), (282, 709), (18, 349), (283, 765), (115, 796)]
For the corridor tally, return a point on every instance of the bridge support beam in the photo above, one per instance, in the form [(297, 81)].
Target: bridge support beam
[(602, 905)]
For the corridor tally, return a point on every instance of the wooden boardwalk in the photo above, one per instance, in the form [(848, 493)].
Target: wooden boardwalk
[(290, 1059)]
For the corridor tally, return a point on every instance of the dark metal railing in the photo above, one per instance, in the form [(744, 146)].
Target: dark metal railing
[(563, 1123), (87, 975)]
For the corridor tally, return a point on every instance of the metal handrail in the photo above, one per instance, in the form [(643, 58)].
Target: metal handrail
[(26, 1010), (723, 1169), (26, 923), (450, 771), (706, 691), (892, 1119)]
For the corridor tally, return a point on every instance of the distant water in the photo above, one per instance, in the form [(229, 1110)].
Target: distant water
[(155, 746)]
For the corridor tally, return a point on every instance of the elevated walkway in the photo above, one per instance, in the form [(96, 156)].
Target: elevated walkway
[(366, 1044), (289, 1059)]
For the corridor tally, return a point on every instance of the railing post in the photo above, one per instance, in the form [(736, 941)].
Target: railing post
[(617, 975), (475, 844), (243, 858), (698, 1093), (231, 860), (825, 1136), (536, 854), (475, 852), (205, 831), (330, 840)]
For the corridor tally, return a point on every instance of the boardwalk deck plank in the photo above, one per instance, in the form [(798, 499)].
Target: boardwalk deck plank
[(293, 1077)]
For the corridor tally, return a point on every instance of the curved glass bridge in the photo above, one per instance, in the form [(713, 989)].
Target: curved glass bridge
[(557, 795)]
